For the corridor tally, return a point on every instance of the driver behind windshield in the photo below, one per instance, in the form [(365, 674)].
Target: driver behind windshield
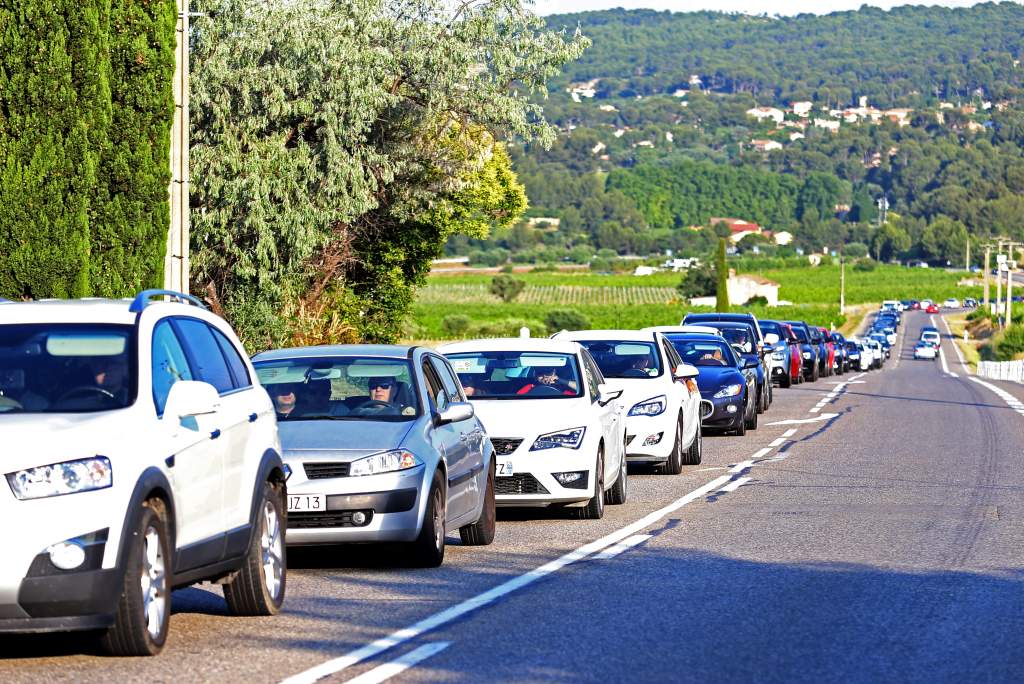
[(381, 389), (550, 377), (111, 375)]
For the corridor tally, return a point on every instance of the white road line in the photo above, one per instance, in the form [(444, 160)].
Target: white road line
[(956, 347), (777, 442), (397, 666), (480, 600), (735, 484), (816, 409), (789, 433), (624, 545), (804, 421), (1010, 400)]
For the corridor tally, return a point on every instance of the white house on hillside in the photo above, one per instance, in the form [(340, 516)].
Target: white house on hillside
[(762, 113)]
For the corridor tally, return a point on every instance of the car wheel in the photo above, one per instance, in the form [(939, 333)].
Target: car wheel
[(674, 464), (481, 533), (762, 400), (786, 380), (814, 374), (741, 426), (619, 492), (428, 549), (696, 451), (258, 588), (144, 609), (594, 510), (751, 422)]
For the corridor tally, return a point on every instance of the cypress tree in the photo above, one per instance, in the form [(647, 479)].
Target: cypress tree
[(722, 271), (52, 113), (132, 214)]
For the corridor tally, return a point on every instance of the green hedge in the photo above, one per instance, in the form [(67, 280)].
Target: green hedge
[(86, 102)]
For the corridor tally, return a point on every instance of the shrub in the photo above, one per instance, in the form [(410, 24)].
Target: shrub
[(855, 250), (757, 300), (455, 325), (864, 265), (506, 288), (566, 319), (507, 327)]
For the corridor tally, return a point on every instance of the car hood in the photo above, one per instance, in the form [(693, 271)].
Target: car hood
[(524, 417), (345, 439), (33, 439), (712, 379)]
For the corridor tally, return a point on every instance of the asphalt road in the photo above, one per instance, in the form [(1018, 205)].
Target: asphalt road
[(874, 535)]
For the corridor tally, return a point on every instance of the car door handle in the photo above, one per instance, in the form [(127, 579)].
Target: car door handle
[(253, 417), (215, 434)]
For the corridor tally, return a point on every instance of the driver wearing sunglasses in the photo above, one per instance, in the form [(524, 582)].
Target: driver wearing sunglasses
[(381, 389)]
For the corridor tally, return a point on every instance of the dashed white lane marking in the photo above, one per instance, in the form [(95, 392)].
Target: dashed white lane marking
[(735, 484), (441, 618), (399, 665), (777, 442), (1011, 401), (789, 433), (624, 545), (803, 421), (470, 605)]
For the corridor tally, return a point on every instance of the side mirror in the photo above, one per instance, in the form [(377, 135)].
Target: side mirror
[(457, 411), (605, 394), (190, 398), (706, 409), (771, 339), (752, 362), (685, 370)]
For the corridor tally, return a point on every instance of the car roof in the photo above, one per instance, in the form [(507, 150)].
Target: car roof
[(675, 329), (87, 310), (392, 351), (624, 335), (513, 344), (696, 337)]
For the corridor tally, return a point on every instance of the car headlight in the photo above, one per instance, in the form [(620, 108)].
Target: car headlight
[(69, 477), (807, 355), (386, 462), (779, 355), (571, 438), (650, 407), (729, 391)]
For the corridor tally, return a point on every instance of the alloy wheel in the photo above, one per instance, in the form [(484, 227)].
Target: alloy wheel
[(271, 547), (153, 582)]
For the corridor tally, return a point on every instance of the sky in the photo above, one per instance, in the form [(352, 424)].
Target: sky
[(747, 6)]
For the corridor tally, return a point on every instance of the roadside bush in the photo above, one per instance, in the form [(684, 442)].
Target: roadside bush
[(855, 250), (506, 288), (1009, 344), (757, 300), (864, 265), (455, 326), (507, 327), (566, 319)]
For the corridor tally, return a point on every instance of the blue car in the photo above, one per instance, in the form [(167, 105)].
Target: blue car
[(727, 380), (382, 447)]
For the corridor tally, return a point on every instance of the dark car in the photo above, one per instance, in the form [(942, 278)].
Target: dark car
[(853, 352), (744, 334), (809, 350), (830, 350), (786, 361), (726, 379), (818, 340), (843, 363)]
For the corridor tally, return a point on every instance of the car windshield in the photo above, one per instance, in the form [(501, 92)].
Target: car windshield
[(740, 338), (66, 368), (704, 352), (773, 327), (518, 375), (340, 388), (625, 359)]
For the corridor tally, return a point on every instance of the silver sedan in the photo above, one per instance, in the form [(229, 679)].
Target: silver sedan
[(382, 447)]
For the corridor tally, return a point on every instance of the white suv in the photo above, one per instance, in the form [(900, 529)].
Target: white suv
[(140, 455)]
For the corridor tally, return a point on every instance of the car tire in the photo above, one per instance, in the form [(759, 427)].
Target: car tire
[(428, 549), (594, 510), (696, 451), (762, 400), (814, 374), (741, 426), (674, 464), (751, 422), (786, 380), (258, 588), (619, 492), (143, 611), (481, 533)]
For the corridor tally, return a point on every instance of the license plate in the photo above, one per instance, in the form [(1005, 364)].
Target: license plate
[(505, 469), (307, 502)]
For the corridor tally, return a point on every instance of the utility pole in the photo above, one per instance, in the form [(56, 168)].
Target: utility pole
[(842, 285), (1009, 288), (967, 259), (176, 263), (988, 252)]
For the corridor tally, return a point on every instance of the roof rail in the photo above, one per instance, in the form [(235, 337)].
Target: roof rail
[(141, 300)]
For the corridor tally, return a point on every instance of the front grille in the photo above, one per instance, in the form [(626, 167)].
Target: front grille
[(327, 519), (323, 471), (523, 483), (504, 447), (629, 439)]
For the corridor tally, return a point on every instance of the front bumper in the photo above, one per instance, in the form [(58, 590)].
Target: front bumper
[(392, 503), (723, 417), (533, 481), (650, 438)]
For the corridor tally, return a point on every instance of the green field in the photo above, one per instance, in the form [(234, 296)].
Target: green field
[(626, 301)]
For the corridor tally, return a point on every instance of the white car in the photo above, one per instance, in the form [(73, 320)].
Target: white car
[(699, 329), (925, 350), (555, 425), (951, 303), (932, 337), (141, 455), (659, 394)]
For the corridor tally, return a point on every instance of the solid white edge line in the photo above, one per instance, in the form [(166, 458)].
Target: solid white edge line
[(735, 484), (384, 672), (956, 347), (622, 546), (469, 605)]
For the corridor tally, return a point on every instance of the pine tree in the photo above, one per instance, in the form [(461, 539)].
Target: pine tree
[(722, 271)]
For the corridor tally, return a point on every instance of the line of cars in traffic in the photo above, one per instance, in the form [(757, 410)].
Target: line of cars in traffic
[(221, 460)]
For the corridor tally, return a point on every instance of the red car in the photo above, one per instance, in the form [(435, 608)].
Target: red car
[(932, 309), (830, 345)]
